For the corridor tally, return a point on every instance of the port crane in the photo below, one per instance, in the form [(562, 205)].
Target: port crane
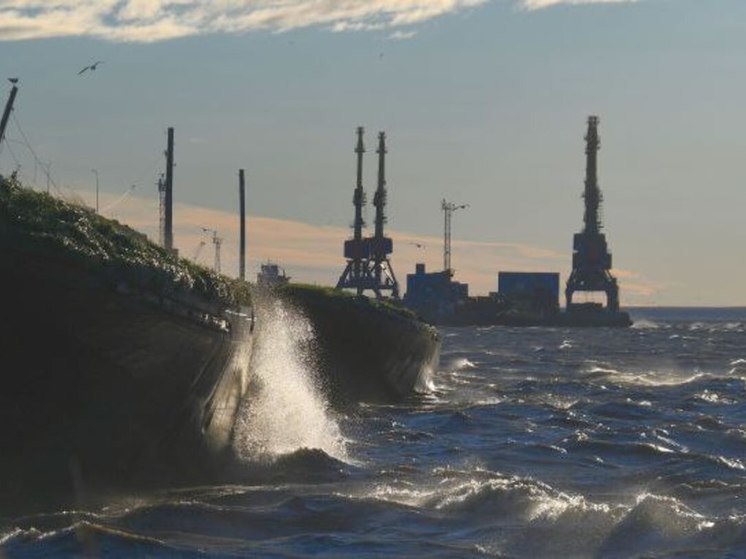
[(591, 259), (368, 262), (448, 209)]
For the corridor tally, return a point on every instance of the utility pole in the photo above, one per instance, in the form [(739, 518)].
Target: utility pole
[(8, 109), (448, 209), (168, 223), (242, 207)]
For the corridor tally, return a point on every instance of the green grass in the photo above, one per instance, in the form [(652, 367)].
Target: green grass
[(47, 226), (298, 290)]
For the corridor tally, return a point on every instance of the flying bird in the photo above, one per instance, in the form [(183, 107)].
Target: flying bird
[(13, 80), (91, 66)]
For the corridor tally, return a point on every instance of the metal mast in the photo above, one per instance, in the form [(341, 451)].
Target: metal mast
[(448, 209), (161, 211), (168, 224), (382, 246), (357, 249), (592, 194), (591, 259), (7, 111), (358, 198), (242, 209)]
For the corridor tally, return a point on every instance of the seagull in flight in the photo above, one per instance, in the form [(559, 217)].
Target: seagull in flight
[(91, 66), (13, 80)]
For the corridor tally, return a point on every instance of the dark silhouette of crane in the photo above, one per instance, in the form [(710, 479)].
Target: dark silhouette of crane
[(591, 259)]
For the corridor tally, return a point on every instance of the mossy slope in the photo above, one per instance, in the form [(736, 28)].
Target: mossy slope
[(42, 225)]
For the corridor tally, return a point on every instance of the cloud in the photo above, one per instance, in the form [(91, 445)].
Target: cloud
[(539, 4), (157, 20)]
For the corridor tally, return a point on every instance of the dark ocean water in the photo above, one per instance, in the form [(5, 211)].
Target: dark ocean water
[(536, 442)]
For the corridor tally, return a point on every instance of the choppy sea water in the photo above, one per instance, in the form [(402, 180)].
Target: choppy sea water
[(535, 442)]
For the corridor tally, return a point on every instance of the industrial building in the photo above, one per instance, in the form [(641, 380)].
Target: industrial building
[(434, 294)]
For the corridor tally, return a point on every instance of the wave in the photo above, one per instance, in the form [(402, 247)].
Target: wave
[(285, 409), (518, 516), (659, 524), (645, 324), (88, 539), (457, 364), (648, 379)]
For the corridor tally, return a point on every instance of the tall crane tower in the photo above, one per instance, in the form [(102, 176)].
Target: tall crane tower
[(591, 259), (357, 249), (217, 242), (368, 263), (448, 209), (381, 245)]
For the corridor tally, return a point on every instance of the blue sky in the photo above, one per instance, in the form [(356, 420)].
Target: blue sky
[(483, 102)]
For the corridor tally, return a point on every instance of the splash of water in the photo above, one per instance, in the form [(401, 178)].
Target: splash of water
[(285, 409)]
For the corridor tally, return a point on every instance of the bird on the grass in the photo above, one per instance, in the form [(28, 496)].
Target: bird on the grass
[(91, 66)]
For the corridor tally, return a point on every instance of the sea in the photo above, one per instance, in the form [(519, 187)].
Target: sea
[(526, 442)]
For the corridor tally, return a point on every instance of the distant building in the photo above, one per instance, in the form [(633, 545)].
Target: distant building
[(530, 291), (434, 295)]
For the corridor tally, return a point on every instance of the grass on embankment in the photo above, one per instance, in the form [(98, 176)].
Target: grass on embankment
[(43, 225), (47, 226)]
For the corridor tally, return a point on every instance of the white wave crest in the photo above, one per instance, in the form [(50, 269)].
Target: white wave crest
[(285, 409), (644, 324)]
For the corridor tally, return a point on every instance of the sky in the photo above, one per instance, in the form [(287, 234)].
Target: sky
[(484, 102)]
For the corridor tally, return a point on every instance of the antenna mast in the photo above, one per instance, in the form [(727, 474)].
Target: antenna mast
[(448, 209)]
